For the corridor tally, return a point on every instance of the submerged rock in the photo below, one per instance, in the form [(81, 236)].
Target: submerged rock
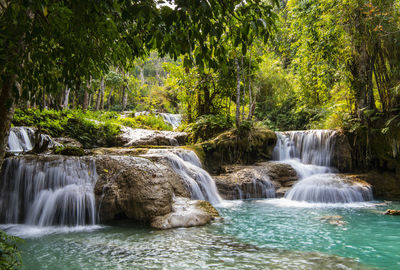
[(186, 213), (139, 137), (392, 212), (263, 180), (334, 220)]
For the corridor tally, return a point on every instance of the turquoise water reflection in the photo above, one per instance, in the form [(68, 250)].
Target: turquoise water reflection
[(269, 234)]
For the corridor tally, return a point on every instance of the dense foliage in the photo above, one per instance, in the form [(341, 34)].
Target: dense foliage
[(90, 128), (10, 257)]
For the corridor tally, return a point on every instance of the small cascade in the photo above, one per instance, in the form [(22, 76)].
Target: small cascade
[(188, 166), (310, 146), (21, 139), (173, 119), (48, 192), (310, 153), (329, 188), (258, 188), (170, 118)]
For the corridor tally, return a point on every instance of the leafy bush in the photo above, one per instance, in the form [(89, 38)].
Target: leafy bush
[(10, 257), (149, 121), (89, 128), (208, 126)]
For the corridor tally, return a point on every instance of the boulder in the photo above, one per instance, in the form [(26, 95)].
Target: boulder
[(135, 188), (263, 180), (233, 147), (186, 213)]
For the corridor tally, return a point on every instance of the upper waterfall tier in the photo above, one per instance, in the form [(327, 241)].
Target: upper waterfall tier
[(309, 146), (46, 193), (23, 139), (173, 119)]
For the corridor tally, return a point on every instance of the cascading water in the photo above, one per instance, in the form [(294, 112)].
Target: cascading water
[(21, 139), (188, 166), (173, 119), (48, 192), (263, 188), (309, 153)]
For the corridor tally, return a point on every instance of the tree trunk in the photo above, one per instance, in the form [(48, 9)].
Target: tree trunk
[(109, 98), (237, 93), (102, 94), (124, 98), (251, 106), (244, 89), (66, 98), (6, 111), (97, 107), (85, 104)]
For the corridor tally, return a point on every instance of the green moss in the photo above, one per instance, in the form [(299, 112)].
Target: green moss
[(208, 208), (238, 147), (70, 151)]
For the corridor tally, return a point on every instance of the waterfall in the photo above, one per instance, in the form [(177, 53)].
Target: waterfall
[(309, 153), (173, 119), (259, 188), (329, 188), (170, 118), (21, 139), (310, 146), (185, 163), (55, 191)]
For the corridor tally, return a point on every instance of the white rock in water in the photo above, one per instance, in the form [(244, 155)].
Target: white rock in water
[(185, 213)]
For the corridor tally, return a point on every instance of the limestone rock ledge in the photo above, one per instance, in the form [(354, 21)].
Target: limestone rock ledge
[(135, 188), (186, 213), (246, 182)]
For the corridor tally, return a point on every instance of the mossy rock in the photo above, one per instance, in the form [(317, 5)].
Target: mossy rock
[(70, 151), (208, 208), (234, 147)]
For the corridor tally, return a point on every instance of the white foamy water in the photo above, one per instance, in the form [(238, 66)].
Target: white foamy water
[(173, 119), (188, 166), (31, 231), (48, 192), (309, 153), (21, 139)]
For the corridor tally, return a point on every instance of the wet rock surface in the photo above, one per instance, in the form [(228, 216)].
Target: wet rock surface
[(186, 213), (135, 188), (385, 185), (263, 180), (233, 148), (141, 137)]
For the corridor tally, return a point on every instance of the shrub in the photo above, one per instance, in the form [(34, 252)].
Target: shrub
[(208, 126), (10, 257)]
